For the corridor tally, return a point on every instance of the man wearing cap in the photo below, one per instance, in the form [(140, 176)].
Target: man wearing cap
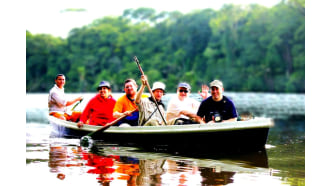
[(148, 112), (217, 107), (99, 110), (182, 107), (57, 101)]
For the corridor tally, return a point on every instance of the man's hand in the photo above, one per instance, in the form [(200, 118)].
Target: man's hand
[(80, 98), (80, 124), (205, 91), (144, 80), (127, 113), (193, 116)]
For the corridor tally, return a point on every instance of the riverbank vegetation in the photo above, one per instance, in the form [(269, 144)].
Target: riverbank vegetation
[(250, 48)]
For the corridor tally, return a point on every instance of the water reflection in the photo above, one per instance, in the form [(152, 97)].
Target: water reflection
[(63, 157), (57, 158), (129, 166), (103, 166), (216, 176)]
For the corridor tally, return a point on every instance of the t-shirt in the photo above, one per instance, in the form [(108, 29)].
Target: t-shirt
[(175, 106), (57, 95), (225, 108)]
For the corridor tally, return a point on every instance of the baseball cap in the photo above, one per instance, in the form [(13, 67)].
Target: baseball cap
[(184, 85), (104, 84), (216, 83)]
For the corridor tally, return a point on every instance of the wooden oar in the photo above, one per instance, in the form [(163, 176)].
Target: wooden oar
[(110, 124), (152, 95), (87, 141)]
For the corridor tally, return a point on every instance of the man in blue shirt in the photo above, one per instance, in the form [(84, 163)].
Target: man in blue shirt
[(217, 107)]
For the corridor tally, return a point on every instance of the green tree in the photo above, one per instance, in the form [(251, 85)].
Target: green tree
[(250, 48)]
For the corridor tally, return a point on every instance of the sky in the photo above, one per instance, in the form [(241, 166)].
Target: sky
[(48, 16)]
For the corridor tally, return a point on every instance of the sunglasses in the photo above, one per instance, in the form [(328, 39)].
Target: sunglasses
[(185, 91)]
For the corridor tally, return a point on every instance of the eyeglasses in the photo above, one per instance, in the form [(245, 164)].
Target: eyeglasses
[(185, 91)]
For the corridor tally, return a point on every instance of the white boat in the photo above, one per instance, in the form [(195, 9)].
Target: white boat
[(248, 135)]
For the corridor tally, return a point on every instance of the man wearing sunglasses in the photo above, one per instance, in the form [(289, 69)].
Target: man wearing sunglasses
[(181, 108)]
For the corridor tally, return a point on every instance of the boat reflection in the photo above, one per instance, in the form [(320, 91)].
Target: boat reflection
[(129, 166), (216, 176)]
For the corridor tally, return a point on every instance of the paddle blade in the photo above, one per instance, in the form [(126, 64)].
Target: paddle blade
[(86, 141), (77, 104)]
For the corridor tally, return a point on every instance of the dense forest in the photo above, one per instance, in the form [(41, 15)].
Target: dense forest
[(250, 48)]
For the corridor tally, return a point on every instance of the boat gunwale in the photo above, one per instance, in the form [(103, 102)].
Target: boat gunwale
[(258, 122)]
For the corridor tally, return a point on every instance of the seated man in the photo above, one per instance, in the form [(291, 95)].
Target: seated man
[(217, 107), (182, 108), (99, 110), (57, 101), (149, 115), (126, 103)]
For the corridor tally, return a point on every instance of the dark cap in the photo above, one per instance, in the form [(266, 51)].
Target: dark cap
[(184, 85), (104, 84)]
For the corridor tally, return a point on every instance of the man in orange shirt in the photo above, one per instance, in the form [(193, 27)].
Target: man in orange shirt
[(126, 103)]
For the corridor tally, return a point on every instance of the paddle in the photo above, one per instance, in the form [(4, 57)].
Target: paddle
[(152, 95), (87, 140), (76, 104)]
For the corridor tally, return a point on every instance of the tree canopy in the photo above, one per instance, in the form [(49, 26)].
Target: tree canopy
[(249, 48)]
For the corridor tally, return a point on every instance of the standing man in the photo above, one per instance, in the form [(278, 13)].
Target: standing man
[(182, 107), (126, 103), (217, 107), (57, 101), (148, 112)]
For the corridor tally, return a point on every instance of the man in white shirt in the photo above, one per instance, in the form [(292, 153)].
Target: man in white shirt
[(182, 106), (57, 101)]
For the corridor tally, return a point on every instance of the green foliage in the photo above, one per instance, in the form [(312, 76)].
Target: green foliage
[(250, 48)]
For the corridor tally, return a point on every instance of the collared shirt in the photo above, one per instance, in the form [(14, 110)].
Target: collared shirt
[(57, 100), (175, 106), (124, 104), (147, 108)]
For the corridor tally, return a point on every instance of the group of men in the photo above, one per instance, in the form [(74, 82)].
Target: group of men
[(103, 108)]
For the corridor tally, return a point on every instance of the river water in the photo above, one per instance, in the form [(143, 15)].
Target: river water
[(59, 161)]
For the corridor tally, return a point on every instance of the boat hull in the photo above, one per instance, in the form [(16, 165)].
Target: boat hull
[(221, 137)]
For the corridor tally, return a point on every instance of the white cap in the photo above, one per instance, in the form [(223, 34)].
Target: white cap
[(216, 83), (158, 85)]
